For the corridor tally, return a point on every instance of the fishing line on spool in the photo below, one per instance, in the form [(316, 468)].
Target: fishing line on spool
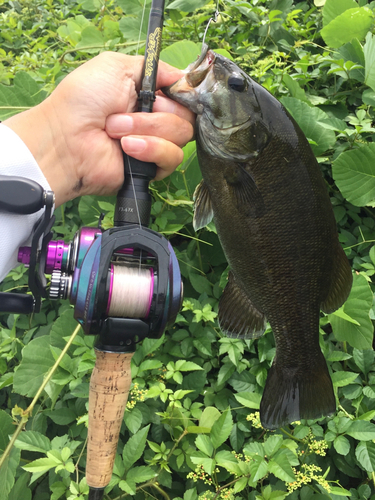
[(131, 291)]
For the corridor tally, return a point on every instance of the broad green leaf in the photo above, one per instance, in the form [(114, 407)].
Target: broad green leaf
[(41, 465), (204, 444), (62, 328), (221, 429), (341, 379), (129, 486), (353, 51), (141, 474), (353, 23), (364, 359), (342, 445), (8, 472), (208, 463), (342, 314), (272, 444), (357, 307), (365, 453), (90, 37), (227, 460), (133, 419), (20, 489), (333, 8), (369, 53), (354, 173), (187, 5), (209, 417), (23, 94), (187, 366), (307, 118), (361, 430), (36, 361), (181, 54), (33, 441), (6, 429), (134, 447), (249, 399), (62, 416), (294, 88), (279, 466), (369, 415), (258, 469)]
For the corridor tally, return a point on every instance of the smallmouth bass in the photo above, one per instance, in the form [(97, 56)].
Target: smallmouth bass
[(264, 189)]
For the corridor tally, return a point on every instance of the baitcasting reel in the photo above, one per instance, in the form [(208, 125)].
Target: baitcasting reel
[(124, 283)]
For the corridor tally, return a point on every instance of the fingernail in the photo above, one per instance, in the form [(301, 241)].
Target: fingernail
[(119, 124), (132, 145)]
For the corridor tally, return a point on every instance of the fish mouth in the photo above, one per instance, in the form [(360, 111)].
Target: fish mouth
[(183, 90)]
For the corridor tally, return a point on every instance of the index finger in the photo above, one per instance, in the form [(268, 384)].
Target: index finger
[(167, 75)]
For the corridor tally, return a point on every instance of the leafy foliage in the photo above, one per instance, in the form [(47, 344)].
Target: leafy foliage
[(191, 429)]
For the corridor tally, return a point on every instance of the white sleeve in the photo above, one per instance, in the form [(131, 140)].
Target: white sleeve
[(16, 230)]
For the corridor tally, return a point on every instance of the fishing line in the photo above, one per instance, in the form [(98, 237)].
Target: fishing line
[(131, 291), (212, 19)]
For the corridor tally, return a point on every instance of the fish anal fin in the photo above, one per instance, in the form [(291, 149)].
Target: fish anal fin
[(294, 394), (248, 197), (203, 212), (238, 317), (341, 282)]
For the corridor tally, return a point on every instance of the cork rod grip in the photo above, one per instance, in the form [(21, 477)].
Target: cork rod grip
[(109, 388)]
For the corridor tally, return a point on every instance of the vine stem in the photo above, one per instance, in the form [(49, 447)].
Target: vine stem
[(26, 414)]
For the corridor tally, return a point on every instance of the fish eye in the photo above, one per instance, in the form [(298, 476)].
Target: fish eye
[(236, 83)]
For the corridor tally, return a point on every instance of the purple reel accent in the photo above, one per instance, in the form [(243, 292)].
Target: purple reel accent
[(24, 255), (57, 253)]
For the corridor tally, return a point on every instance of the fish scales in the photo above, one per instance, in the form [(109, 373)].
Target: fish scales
[(264, 189)]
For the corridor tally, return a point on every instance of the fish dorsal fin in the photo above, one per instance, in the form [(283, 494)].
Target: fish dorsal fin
[(248, 197), (341, 282), (238, 317), (203, 212)]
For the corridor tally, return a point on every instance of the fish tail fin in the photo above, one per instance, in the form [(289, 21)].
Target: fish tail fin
[(292, 394)]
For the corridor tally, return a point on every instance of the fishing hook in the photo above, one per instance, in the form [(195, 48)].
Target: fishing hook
[(212, 19)]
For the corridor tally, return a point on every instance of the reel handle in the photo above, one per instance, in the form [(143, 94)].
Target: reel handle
[(109, 388)]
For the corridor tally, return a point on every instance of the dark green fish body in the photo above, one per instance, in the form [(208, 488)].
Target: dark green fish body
[(264, 188)]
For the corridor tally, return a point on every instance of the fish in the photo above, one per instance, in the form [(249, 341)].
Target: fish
[(262, 186)]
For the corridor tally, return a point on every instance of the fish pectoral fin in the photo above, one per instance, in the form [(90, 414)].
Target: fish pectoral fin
[(341, 282), (247, 195), (238, 317), (203, 212)]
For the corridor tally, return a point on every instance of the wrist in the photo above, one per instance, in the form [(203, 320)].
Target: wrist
[(39, 130)]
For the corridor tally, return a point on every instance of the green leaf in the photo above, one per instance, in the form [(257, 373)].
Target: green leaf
[(141, 474), (23, 94), (341, 379), (36, 361), (364, 359), (353, 23), (134, 447), (249, 399), (41, 465), (333, 8), (227, 460), (6, 429), (133, 419), (280, 467), (187, 5), (258, 469), (90, 37), (361, 430), (180, 55), (342, 445), (365, 454), (209, 417), (128, 486), (221, 429), (8, 472), (33, 441), (20, 489), (357, 307), (187, 366), (369, 53), (307, 118), (62, 416), (294, 88), (272, 444), (204, 444), (354, 173)]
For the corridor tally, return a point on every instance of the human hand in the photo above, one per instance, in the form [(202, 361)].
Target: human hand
[(74, 133)]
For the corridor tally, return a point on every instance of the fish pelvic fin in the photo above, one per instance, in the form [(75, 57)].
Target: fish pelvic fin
[(341, 282), (238, 317), (292, 394), (203, 212)]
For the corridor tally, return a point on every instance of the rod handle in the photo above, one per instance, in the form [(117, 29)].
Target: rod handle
[(109, 389)]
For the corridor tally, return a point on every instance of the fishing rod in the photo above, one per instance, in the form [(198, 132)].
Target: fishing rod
[(124, 283)]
